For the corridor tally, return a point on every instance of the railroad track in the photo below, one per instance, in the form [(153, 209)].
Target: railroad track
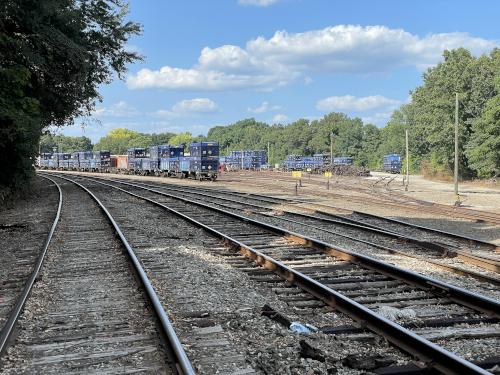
[(86, 310), (356, 285), (356, 217), (440, 254), (394, 199)]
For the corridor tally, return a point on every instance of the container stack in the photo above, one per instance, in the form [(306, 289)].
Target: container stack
[(84, 158), (164, 155), (204, 157), (246, 159), (311, 163), (45, 159), (74, 161), (62, 160), (293, 163), (343, 160), (135, 156), (101, 159)]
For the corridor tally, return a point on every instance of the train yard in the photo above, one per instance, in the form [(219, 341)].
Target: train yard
[(160, 277)]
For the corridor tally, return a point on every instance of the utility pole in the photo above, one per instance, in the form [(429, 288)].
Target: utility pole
[(268, 152), (331, 149), (407, 163), (456, 145)]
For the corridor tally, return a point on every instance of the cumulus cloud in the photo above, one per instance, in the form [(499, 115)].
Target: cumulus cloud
[(280, 118), (355, 103), (188, 107), (258, 3), (266, 63), (197, 79), (120, 109), (197, 105), (264, 107), (379, 118)]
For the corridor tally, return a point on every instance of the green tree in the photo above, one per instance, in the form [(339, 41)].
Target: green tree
[(483, 149), (161, 138), (430, 114), (182, 138), (54, 54), (64, 144), (370, 142), (117, 141)]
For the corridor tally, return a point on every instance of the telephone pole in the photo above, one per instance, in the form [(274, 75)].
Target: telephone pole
[(268, 152), (331, 149), (456, 145), (407, 163)]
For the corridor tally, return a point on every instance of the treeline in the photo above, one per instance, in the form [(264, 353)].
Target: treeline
[(119, 140), (429, 117), (350, 138), (62, 143)]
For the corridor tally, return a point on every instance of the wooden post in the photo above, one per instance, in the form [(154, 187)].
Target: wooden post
[(456, 145), (407, 163)]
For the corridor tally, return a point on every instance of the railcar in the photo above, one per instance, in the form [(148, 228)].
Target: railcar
[(43, 160), (164, 160), (392, 163)]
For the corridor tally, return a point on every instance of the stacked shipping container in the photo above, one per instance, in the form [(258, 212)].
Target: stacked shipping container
[(246, 159)]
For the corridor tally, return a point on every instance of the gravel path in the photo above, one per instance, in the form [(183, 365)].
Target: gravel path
[(23, 230)]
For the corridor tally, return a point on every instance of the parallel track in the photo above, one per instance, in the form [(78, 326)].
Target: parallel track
[(430, 251), (96, 318), (319, 268), (402, 201)]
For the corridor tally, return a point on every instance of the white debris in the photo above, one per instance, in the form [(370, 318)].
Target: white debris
[(393, 313)]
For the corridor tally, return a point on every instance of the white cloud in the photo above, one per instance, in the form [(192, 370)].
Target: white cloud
[(264, 107), (280, 118), (120, 109), (379, 118), (258, 3), (163, 114), (285, 57), (355, 103), (196, 79), (188, 107), (197, 105)]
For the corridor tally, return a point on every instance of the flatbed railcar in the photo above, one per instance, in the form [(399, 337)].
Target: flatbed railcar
[(164, 160)]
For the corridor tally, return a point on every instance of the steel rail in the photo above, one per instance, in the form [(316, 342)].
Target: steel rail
[(450, 268), (183, 362), (483, 262), (265, 198), (10, 324), (433, 355), (462, 237), (416, 204), (456, 294)]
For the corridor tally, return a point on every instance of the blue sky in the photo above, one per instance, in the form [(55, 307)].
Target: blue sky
[(215, 62)]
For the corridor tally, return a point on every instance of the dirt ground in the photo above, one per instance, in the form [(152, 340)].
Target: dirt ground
[(342, 189), (471, 194)]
